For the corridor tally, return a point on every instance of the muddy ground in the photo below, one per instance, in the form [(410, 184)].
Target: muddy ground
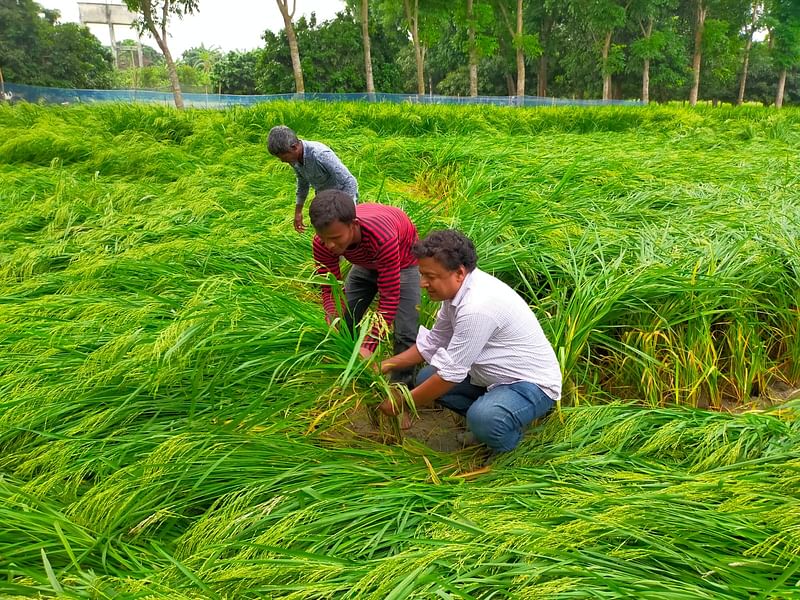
[(438, 428)]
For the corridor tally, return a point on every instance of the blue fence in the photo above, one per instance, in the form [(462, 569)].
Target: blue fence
[(30, 93)]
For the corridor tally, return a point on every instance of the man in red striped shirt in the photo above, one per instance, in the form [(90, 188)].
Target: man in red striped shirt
[(377, 240)]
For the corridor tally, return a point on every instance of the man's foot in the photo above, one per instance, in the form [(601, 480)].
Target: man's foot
[(466, 439)]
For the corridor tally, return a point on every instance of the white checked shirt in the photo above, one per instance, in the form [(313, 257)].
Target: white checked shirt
[(489, 333)]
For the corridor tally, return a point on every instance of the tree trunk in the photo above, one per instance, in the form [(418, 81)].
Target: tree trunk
[(510, 85), (173, 76), (646, 68), (698, 52), (367, 50), (473, 51), (520, 53), (746, 61), (781, 88), (412, 18), (541, 76), (294, 52), (161, 39), (606, 73), (516, 38)]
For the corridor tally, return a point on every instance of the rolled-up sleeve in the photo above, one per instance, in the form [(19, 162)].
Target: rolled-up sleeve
[(471, 332), (326, 263), (429, 341)]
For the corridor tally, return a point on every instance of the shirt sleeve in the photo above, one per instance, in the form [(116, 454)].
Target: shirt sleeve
[(429, 341), (326, 263), (302, 189), (471, 331), (335, 167)]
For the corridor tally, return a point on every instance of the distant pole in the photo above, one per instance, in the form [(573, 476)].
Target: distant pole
[(135, 73), (111, 35)]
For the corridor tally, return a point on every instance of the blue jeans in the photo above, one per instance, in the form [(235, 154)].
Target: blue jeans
[(497, 417)]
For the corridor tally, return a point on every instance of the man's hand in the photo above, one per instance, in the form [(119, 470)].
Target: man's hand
[(364, 353), (394, 405), (298, 221)]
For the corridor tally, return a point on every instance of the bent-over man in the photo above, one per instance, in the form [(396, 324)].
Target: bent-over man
[(314, 165), (377, 240)]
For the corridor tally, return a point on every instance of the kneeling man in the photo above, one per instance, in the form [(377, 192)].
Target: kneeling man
[(488, 358)]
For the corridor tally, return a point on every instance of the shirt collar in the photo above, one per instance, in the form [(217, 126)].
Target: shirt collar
[(307, 153), (465, 286)]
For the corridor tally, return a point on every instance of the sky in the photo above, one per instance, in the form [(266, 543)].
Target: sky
[(226, 24)]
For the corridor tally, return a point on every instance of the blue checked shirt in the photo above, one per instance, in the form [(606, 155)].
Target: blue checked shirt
[(322, 169)]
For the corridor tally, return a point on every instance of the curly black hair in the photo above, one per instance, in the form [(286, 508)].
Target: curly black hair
[(449, 247), (329, 206)]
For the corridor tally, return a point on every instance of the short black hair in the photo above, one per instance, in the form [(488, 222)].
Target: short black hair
[(329, 206), (449, 247), (281, 139)]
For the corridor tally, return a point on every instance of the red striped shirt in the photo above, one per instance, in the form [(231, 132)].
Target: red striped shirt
[(387, 235)]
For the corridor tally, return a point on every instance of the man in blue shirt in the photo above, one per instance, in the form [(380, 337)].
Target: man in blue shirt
[(314, 164)]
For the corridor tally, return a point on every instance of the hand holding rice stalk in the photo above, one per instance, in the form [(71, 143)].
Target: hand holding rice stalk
[(396, 399), (399, 404)]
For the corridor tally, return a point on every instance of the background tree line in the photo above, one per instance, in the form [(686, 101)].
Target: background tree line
[(37, 50), (719, 50)]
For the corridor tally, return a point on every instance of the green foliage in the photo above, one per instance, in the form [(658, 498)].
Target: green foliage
[(235, 73), (76, 58), (761, 78), (155, 14), (669, 71), (156, 77), (128, 55), (200, 56), (332, 57), (785, 19), (35, 49), (722, 50), (562, 42)]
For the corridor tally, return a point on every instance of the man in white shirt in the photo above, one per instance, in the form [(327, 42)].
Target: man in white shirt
[(488, 358), (314, 165)]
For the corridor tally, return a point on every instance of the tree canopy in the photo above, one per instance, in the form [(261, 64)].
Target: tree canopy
[(661, 50), (38, 50), (652, 49)]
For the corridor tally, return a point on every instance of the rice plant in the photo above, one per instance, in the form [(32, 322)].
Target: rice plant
[(175, 412)]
